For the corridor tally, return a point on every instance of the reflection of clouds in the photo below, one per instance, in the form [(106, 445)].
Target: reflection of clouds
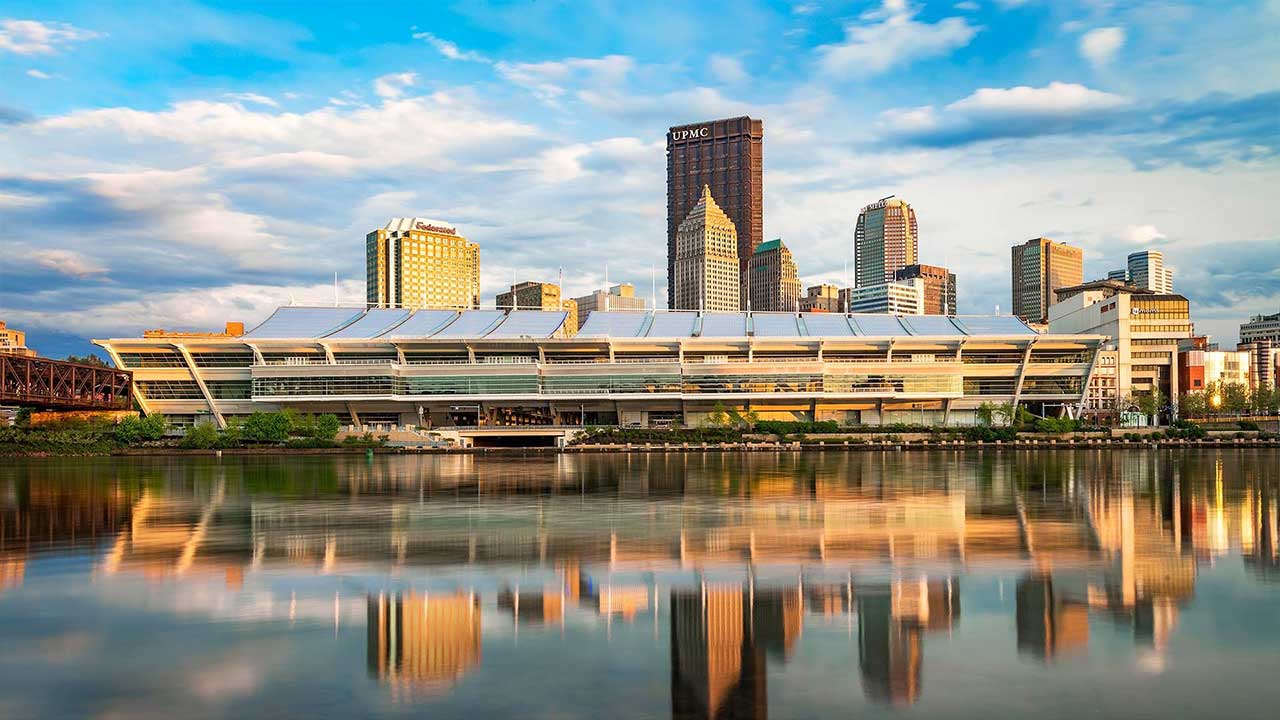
[(67, 647), (226, 680)]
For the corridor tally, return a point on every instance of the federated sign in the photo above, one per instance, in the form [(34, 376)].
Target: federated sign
[(690, 134)]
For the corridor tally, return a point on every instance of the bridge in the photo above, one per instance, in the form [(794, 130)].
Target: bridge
[(43, 383)]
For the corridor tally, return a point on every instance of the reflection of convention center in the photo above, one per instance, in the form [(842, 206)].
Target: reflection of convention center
[(445, 368), (741, 587)]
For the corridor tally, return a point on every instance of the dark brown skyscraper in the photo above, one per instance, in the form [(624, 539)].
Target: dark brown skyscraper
[(939, 287), (727, 156)]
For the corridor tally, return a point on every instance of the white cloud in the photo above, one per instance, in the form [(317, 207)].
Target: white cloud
[(990, 113), (889, 37), (1143, 234), (39, 75), (66, 262), (550, 80), (31, 37), (254, 98), (1056, 98), (449, 49), (727, 69), (1100, 45), (189, 309), (392, 86)]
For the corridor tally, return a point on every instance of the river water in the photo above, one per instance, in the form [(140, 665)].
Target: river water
[(1059, 584)]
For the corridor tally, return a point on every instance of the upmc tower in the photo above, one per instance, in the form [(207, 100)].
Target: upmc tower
[(725, 155)]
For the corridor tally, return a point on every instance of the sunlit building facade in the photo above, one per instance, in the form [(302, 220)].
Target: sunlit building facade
[(707, 275), (420, 263), (1041, 267), (772, 283), (885, 240), (727, 157), (498, 369)]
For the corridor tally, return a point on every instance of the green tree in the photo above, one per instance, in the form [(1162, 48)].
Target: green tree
[(1193, 404), (1150, 403), (1235, 397), (265, 427), (200, 437), (718, 418), (132, 430), (90, 359), (327, 426), (986, 414)]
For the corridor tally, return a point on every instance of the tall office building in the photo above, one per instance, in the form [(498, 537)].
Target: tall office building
[(1041, 266), (773, 284), (531, 295), (621, 297), (726, 156), (706, 270), (939, 287), (1147, 271), (1119, 275), (420, 263), (885, 241), (821, 298)]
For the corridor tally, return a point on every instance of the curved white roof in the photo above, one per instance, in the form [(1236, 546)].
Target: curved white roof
[(682, 324)]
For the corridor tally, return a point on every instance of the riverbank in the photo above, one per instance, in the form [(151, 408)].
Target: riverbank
[(856, 445)]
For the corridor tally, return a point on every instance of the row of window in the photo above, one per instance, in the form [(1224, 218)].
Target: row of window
[(873, 384)]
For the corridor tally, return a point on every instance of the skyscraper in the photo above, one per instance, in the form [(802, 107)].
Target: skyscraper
[(939, 287), (1039, 267), (1147, 271), (885, 241), (727, 157), (706, 270), (773, 284), (420, 263)]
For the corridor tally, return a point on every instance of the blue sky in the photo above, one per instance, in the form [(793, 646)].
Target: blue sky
[(182, 164)]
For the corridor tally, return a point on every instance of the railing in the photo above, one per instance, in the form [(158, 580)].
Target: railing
[(41, 382)]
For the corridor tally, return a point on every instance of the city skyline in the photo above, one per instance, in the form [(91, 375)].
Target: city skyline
[(271, 160)]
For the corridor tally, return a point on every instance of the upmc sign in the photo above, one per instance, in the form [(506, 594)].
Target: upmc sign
[(693, 134)]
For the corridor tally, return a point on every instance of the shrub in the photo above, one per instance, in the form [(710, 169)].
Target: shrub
[(266, 427), (1247, 425), (788, 427), (327, 426), (132, 430), (310, 442), (983, 433), (1056, 425), (203, 436)]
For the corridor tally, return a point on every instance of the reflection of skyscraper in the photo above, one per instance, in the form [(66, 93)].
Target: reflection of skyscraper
[(716, 671), (779, 620), (544, 607), (1047, 624), (889, 651), (424, 640)]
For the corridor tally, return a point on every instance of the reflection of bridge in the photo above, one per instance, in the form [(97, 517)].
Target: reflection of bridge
[(40, 382)]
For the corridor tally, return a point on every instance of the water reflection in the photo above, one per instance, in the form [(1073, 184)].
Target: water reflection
[(731, 563)]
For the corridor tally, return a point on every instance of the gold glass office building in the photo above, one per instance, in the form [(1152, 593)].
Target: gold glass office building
[(419, 263), (885, 240), (1041, 266)]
